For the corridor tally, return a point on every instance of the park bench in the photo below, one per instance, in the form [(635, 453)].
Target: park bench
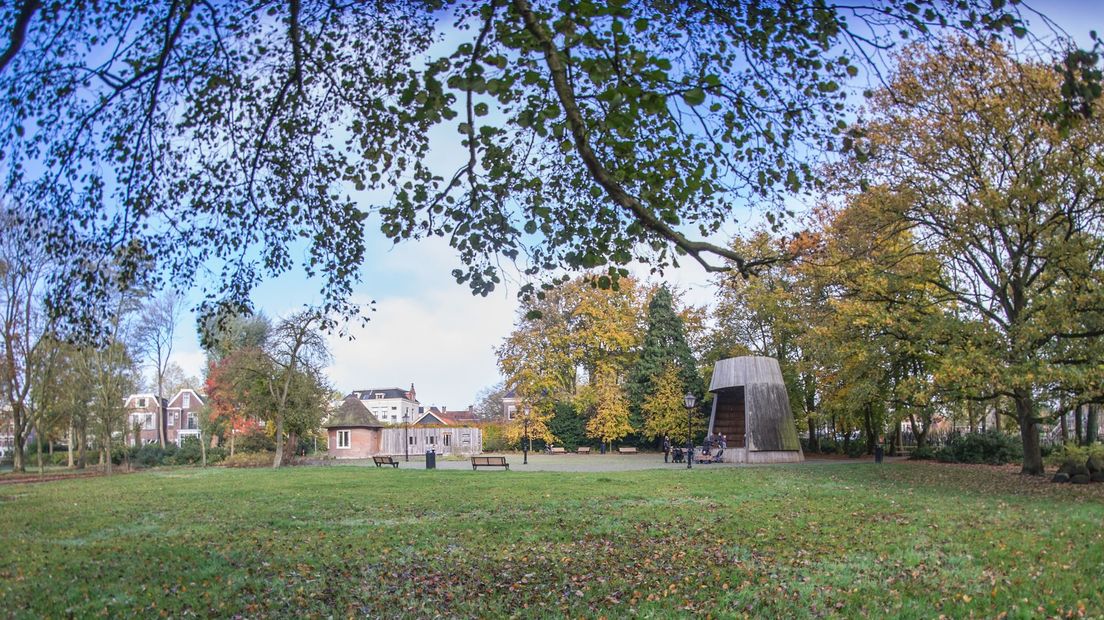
[(625, 450), (558, 450), (489, 461), (583, 450), (380, 461)]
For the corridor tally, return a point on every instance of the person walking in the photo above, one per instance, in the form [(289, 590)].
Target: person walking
[(666, 448)]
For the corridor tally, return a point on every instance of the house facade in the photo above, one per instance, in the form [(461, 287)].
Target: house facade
[(390, 405), (510, 404), (143, 415), (354, 432), (440, 416), (182, 413)]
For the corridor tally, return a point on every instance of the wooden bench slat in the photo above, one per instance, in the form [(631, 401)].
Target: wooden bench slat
[(489, 461), (380, 461), (583, 450), (626, 450)]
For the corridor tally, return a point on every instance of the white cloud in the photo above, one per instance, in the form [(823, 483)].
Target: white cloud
[(442, 340)]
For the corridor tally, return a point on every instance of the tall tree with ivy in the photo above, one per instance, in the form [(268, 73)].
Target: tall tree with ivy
[(664, 344)]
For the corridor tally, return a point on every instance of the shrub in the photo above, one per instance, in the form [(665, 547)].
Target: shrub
[(856, 448), (1071, 452), (991, 447), (254, 441), (924, 453), (152, 454), (249, 459), (494, 438)]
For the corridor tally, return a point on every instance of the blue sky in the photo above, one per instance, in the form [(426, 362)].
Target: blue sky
[(432, 332)]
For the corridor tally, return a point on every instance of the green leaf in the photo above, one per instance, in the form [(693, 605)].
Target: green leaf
[(694, 96)]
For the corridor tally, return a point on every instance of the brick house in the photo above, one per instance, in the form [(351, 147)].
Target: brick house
[(353, 431), (181, 416), (440, 416), (143, 413)]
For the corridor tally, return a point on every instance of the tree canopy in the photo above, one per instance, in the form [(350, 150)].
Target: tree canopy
[(162, 137)]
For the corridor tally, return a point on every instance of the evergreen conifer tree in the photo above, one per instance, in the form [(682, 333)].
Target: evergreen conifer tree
[(665, 343)]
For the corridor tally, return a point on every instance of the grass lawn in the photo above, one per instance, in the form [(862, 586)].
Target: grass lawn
[(902, 540)]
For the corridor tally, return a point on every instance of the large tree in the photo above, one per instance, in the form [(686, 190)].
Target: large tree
[(279, 381), (1011, 204), (153, 339), (664, 344), (595, 134), (24, 324)]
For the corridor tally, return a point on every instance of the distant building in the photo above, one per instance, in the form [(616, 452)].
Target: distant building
[(143, 413), (510, 404), (354, 432), (440, 416), (7, 432), (182, 413), (390, 405)]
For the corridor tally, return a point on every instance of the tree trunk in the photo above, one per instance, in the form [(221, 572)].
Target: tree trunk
[(38, 450), (1029, 434), (1063, 427), (82, 438), (162, 409), (868, 427), (107, 451), (279, 460), (19, 439), (233, 432), (71, 440), (1092, 424), (202, 448), (996, 419), (1078, 429), (814, 443)]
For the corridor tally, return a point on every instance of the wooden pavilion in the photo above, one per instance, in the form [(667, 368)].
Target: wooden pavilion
[(751, 408)]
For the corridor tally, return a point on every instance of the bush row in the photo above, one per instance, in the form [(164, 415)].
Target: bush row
[(990, 447)]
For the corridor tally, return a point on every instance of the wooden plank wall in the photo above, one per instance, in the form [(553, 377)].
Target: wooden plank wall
[(769, 419), (464, 440)]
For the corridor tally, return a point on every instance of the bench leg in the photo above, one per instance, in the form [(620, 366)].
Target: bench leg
[(395, 465)]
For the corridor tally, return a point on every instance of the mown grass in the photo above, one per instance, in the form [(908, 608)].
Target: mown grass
[(905, 540)]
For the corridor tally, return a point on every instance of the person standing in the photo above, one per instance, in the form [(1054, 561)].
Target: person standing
[(666, 448)]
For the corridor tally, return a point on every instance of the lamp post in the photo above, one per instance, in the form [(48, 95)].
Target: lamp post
[(406, 437), (689, 401), (524, 447)]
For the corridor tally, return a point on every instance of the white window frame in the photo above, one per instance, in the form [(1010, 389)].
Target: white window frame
[(142, 403), (379, 396), (170, 418), (186, 401), (347, 436)]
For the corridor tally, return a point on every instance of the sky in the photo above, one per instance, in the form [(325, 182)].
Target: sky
[(429, 331)]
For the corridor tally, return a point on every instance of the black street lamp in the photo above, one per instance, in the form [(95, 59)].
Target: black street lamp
[(406, 437), (524, 447), (689, 401)]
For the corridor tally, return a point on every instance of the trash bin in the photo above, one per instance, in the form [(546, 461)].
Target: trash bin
[(431, 459)]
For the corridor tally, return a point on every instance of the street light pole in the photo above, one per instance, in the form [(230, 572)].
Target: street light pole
[(406, 437), (689, 401)]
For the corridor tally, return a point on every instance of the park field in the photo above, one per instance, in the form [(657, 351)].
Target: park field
[(900, 540)]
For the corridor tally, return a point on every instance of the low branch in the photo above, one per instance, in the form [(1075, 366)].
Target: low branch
[(19, 31), (699, 250)]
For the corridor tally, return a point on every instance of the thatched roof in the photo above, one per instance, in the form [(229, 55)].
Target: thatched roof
[(352, 413)]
